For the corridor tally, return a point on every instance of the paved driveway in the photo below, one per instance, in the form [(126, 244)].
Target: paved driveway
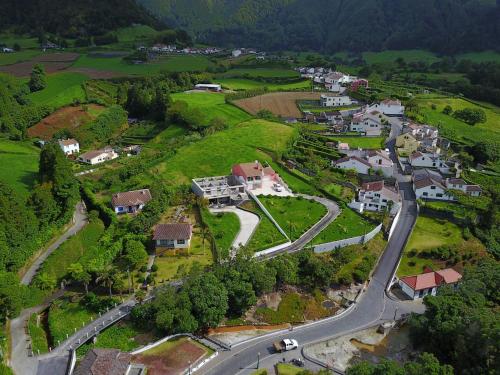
[(248, 223)]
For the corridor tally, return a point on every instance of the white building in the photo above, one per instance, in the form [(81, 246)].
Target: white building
[(7, 50), (428, 283), (98, 156), (389, 107), (380, 161), (173, 236), (426, 160), (236, 53), (375, 196), (130, 201), (429, 184), (208, 87), (353, 162), (370, 123), (459, 184), (69, 146), (335, 100)]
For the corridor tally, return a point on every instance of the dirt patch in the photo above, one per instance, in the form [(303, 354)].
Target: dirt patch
[(173, 360), (270, 327), (97, 74), (282, 104), (53, 63), (64, 118)]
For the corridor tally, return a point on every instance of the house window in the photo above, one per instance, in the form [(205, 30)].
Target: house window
[(433, 188), (439, 195), (181, 242), (425, 194), (120, 209)]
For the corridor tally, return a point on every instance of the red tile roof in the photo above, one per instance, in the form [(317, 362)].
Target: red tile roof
[(249, 169), (373, 186), (177, 231), (432, 279), (131, 198)]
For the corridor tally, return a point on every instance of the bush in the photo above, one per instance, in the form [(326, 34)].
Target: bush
[(154, 268)]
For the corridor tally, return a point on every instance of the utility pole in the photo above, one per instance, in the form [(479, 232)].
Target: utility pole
[(258, 360)]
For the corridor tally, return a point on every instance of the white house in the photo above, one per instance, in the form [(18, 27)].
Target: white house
[(208, 87), (7, 50), (426, 160), (333, 78), (335, 100), (353, 162), (459, 184), (375, 196), (236, 53), (429, 184), (369, 123), (380, 161), (130, 201), (173, 236), (69, 146), (428, 283), (390, 107), (98, 156)]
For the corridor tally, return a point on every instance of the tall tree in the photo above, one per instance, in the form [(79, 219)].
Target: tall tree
[(38, 79)]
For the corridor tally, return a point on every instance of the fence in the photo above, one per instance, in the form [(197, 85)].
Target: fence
[(322, 248)]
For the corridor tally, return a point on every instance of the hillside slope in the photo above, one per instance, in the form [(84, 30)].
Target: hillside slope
[(445, 26)]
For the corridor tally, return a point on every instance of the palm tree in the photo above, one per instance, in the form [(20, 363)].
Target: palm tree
[(106, 277)]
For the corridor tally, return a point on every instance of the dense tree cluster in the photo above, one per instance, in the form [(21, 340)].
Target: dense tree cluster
[(37, 79)]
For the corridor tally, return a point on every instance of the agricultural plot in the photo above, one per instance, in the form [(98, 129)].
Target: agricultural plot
[(361, 142), (385, 57), (53, 63), (64, 118), (213, 105), (261, 73), (238, 84), (239, 144), (478, 57), (16, 57), (18, 165), (62, 89), (282, 104), (430, 234), (348, 224), (172, 357), (456, 129)]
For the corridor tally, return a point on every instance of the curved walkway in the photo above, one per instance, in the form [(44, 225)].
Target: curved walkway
[(79, 221), (248, 223)]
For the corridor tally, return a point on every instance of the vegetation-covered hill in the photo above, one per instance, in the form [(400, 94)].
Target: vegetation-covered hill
[(72, 19), (446, 26)]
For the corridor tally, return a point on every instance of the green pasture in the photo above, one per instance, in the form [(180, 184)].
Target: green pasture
[(361, 142), (135, 33), (261, 72), (385, 57), (479, 57), (15, 57), (348, 224), (223, 226), (249, 84), (62, 89), (18, 165), (25, 41)]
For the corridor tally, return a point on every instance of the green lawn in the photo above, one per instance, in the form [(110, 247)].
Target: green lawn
[(266, 234), (18, 165), (177, 63), (482, 56), (431, 233), (248, 84), (15, 57), (261, 72), (214, 155), (224, 227), (363, 142), (408, 55), (37, 334), (296, 184), (72, 250), (213, 105), (348, 224), (25, 41), (288, 369), (65, 316), (294, 215), (456, 129), (62, 89)]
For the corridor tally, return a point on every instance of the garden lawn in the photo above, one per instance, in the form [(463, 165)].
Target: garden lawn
[(262, 72), (430, 233), (177, 63), (72, 250), (62, 89), (18, 165), (288, 369), (214, 155), (295, 215), (224, 227), (15, 57), (37, 334), (266, 235), (212, 106), (65, 316), (361, 142), (172, 267), (348, 224), (249, 84), (455, 129)]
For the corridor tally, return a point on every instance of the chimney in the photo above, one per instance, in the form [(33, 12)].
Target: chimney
[(256, 164)]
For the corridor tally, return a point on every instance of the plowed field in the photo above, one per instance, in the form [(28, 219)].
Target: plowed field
[(282, 104), (53, 62)]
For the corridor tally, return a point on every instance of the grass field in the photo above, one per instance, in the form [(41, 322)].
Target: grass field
[(408, 55), (18, 165), (431, 233), (456, 129), (296, 184), (25, 41), (65, 316), (348, 224), (288, 369), (480, 56), (282, 104), (261, 72), (266, 234), (72, 250), (224, 228), (216, 154), (62, 89), (15, 57), (38, 335), (213, 105), (294, 215), (248, 84), (180, 63), (135, 33), (361, 142)]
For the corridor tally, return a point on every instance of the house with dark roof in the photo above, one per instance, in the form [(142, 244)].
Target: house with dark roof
[(428, 283), (376, 196), (353, 162), (429, 184), (172, 236), (108, 362), (459, 184), (130, 201)]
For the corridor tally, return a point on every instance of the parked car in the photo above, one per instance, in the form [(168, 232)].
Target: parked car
[(278, 188), (285, 345), (297, 362)]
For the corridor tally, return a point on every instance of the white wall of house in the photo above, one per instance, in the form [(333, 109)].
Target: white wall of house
[(354, 164), (389, 109), (105, 156), (70, 149), (414, 295), (128, 209), (432, 192), (176, 244), (335, 101), (427, 161)]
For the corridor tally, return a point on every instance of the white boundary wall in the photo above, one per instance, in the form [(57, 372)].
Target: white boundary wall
[(395, 222), (268, 214), (272, 249), (201, 364), (159, 342), (322, 248)]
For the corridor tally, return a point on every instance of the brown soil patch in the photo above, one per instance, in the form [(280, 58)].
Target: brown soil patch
[(64, 118), (282, 104), (271, 327), (172, 361), (53, 63), (97, 74)]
